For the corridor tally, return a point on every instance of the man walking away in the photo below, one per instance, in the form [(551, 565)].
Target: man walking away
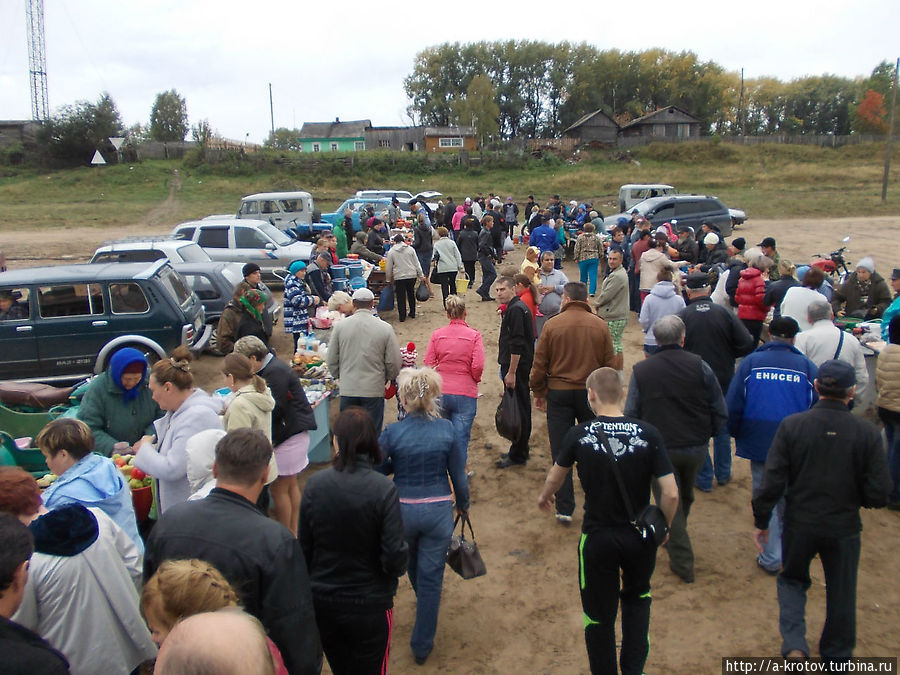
[(573, 344), (677, 392), (610, 547), (827, 463), (487, 255)]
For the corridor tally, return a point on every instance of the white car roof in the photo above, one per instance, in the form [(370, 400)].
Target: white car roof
[(277, 195), (646, 186)]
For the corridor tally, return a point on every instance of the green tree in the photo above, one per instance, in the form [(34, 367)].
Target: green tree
[(76, 131), (283, 139), (168, 117), (478, 109)]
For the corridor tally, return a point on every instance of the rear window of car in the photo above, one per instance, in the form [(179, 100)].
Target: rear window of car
[(203, 286), (175, 286), (192, 253), (234, 278), (70, 300), (127, 298), (291, 205), (185, 233)]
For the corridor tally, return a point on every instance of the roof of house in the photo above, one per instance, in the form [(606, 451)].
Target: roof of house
[(336, 129), (649, 116), (446, 131), (585, 118)]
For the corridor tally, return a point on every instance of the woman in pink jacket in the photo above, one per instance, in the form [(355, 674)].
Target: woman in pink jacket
[(751, 290), (456, 352), (456, 220)]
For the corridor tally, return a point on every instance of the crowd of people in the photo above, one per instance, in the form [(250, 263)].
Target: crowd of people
[(240, 573)]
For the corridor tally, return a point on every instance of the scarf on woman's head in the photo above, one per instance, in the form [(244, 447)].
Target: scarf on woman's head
[(121, 360), (250, 299)]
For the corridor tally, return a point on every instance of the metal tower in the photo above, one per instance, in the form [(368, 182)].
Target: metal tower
[(37, 60)]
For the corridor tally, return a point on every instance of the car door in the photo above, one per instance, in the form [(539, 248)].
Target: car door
[(72, 326), (251, 244), (216, 241), (18, 343)]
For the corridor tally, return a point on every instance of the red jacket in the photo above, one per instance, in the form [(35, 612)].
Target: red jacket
[(749, 295)]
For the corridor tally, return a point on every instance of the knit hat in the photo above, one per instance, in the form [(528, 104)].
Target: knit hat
[(296, 266), (249, 269), (711, 238), (866, 263), (740, 243)]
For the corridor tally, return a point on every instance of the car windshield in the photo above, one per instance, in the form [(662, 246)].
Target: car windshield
[(175, 285), (192, 253), (232, 275), (275, 234)]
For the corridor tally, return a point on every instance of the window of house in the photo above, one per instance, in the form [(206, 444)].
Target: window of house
[(317, 147), (455, 142), (359, 145), (334, 147), (659, 130), (384, 143), (683, 130)]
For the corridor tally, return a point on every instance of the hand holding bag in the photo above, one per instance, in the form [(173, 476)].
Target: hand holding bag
[(508, 418), (463, 556)]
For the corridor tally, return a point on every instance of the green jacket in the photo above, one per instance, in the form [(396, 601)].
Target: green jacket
[(111, 419), (341, 237)]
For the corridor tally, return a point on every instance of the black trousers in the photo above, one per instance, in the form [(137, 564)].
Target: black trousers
[(565, 408), (602, 556), (356, 640), (405, 290), (518, 452), (448, 284), (470, 271), (840, 562)]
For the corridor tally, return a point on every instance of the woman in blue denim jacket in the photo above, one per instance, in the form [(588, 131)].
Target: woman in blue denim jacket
[(420, 471)]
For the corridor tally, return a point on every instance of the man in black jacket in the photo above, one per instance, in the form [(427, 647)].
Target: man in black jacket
[(515, 356), (827, 463), (487, 255), (677, 392), (718, 337), (21, 650), (258, 556)]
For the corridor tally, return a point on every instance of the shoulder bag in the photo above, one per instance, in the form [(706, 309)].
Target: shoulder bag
[(651, 522), (463, 556)]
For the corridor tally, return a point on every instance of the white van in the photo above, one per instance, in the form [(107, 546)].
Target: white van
[(631, 194), (281, 209)]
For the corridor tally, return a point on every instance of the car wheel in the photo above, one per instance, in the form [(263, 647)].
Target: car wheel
[(212, 347)]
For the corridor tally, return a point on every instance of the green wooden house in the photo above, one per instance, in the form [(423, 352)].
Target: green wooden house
[(334, 136)]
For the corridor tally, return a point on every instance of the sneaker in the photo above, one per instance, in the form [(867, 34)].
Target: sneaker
[(563, 519), (488, 299), (505, 462)]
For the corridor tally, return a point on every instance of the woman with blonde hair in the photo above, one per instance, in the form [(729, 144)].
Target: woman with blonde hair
[(531, 265), (421, 473), (188, 411), (182, 588), (456, 352), (252, 404)]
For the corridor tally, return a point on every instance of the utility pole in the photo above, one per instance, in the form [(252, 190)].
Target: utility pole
[(37, 60), (271, 110), (890, 136), (741, 104)]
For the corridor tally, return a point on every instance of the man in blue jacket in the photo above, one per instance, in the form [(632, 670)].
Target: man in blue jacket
[(544, 236), (773, 382)]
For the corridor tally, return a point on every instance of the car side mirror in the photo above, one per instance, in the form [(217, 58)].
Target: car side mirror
[(270, 246)]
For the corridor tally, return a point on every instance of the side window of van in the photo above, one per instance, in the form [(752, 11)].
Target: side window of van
[(14, 304), (70, 300), (127, 298), (250, 208), (269, 207), (291, 205), (213, 237)]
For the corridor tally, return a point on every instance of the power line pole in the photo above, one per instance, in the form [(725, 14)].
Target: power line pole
[(890, 136), (37, 60), (271, 110)]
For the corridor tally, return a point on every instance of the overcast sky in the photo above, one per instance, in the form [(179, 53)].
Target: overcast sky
[(348, 59)]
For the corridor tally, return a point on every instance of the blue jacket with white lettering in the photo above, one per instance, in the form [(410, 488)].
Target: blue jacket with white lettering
[(771, 383)]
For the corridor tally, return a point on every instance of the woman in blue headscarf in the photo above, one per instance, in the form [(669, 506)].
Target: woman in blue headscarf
[(118, 407)]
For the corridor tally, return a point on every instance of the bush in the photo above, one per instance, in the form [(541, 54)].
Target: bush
[(14, 155)]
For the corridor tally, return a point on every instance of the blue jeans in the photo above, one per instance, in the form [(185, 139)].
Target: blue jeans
[(770, 558), (428, 528), (460, 410), (588, 270), (374, 405), (893, 449), (722, 460)]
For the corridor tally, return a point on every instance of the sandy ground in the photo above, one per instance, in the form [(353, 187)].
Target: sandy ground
[(525, 614)]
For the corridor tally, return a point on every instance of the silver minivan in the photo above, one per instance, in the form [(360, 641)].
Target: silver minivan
[(281, 209)]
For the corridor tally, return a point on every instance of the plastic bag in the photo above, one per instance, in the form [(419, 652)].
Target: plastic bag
[(508, 418), (422, 292), (386, 300), (508, 245)]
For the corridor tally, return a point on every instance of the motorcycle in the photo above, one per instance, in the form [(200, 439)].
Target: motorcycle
[(834, 263)]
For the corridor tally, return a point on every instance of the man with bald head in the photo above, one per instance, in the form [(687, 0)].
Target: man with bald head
[(225, 642)]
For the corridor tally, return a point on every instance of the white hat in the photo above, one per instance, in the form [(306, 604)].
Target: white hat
[(711, 238), (363, 295)]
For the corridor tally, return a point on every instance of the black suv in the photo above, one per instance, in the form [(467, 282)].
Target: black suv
[(691, 210), (65, 322)]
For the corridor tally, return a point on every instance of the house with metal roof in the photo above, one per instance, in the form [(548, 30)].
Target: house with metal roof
[(594, 127), (334, 136)]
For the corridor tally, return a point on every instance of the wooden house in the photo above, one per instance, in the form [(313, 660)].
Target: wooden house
[(334, 136), (450, 139), (594, 127), (670, 122)]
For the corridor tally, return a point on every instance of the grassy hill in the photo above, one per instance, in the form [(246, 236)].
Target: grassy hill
[(768, 181)]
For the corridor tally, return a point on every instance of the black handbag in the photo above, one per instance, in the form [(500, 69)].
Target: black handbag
[(651, 522), (422, 292), (463, 556), (508, 418), (435, 279)]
